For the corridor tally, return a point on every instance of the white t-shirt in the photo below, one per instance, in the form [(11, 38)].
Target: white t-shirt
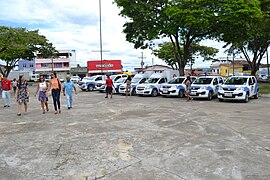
[(42, 86)]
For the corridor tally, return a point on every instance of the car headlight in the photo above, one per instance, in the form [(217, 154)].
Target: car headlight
[(240, 89), (220, 88), (147, 87)]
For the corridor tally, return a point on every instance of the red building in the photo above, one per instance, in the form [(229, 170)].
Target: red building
[(104, 66)]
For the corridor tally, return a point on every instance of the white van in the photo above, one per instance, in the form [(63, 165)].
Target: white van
[(152, 86), (239, 88), (136, 80), (206, 87), (175, 87)]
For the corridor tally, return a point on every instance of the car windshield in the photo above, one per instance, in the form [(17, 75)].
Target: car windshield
[(203, 81), (236, 81), (135, 80), (85, 78), (177, 81), (112, 76), (121, 80), (153, 80), (92, 78)]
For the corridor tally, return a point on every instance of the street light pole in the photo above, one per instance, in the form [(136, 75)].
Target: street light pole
[(52, 64), (233, 63), (100, 36), (267, 62)]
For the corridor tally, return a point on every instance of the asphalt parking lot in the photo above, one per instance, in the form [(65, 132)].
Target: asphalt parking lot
[(140, 138)]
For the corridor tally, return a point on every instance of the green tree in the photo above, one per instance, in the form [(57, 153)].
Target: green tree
[(245, 34), (181, 21), (19, 43), (166, 53)]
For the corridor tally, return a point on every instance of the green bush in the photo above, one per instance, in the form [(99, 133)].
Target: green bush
[(264, 88)]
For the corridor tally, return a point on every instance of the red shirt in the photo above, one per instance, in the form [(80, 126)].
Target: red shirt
[(6, 85), (109, 82)]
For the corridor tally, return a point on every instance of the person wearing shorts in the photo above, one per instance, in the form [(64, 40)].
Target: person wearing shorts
[(109, 86)]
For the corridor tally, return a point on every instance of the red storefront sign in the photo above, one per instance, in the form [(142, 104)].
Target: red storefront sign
[(96, 66)]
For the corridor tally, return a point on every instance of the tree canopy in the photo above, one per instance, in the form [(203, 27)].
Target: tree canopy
[(241, 23), (20, 43), (247, 35)]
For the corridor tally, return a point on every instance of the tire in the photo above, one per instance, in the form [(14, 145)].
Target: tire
[(133, 92), (90, 87), (154, 93), (256, 96), (221, 100), (246, 98), (210, 95), (181, 94)]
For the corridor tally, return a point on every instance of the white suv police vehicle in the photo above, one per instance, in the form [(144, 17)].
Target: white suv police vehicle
[(175, 87), (239, 88), (206, 87)]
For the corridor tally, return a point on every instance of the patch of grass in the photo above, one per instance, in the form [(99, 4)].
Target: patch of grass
[(264, 88)]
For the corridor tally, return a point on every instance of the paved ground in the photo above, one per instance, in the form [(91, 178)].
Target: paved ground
[(137, 138)]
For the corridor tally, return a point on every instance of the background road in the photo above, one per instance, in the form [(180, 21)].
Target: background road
[(136, 138)]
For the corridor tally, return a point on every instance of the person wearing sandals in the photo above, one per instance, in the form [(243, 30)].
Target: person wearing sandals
[(42, 90), (55, 87), (188, 89), (22, 94)]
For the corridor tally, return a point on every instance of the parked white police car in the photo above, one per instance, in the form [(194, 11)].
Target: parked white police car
[(206, 87), (239, 88), (175, 87)]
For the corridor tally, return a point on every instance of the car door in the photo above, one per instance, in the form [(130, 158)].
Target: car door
[(251, 86), (215, 86)]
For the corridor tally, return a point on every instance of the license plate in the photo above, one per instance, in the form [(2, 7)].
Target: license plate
[(193, 93), (139, 92), (165, 90), (228, 94)]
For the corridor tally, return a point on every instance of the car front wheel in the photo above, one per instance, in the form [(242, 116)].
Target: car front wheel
[(210, 95), (181, 94), (154, 93), (246, 98), (90, 88)]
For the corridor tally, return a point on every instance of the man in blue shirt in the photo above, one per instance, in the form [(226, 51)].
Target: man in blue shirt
[(68, 91)]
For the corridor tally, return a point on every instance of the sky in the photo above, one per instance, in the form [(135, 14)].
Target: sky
[(74, 25)]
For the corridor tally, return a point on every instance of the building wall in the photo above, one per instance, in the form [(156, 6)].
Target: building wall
[(62, 63), (25, 65), (225, 70)]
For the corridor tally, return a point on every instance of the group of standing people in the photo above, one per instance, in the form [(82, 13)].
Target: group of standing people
[(21, 92)]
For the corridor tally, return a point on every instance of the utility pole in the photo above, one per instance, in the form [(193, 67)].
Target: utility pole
[(100, 37), (142, 57)]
